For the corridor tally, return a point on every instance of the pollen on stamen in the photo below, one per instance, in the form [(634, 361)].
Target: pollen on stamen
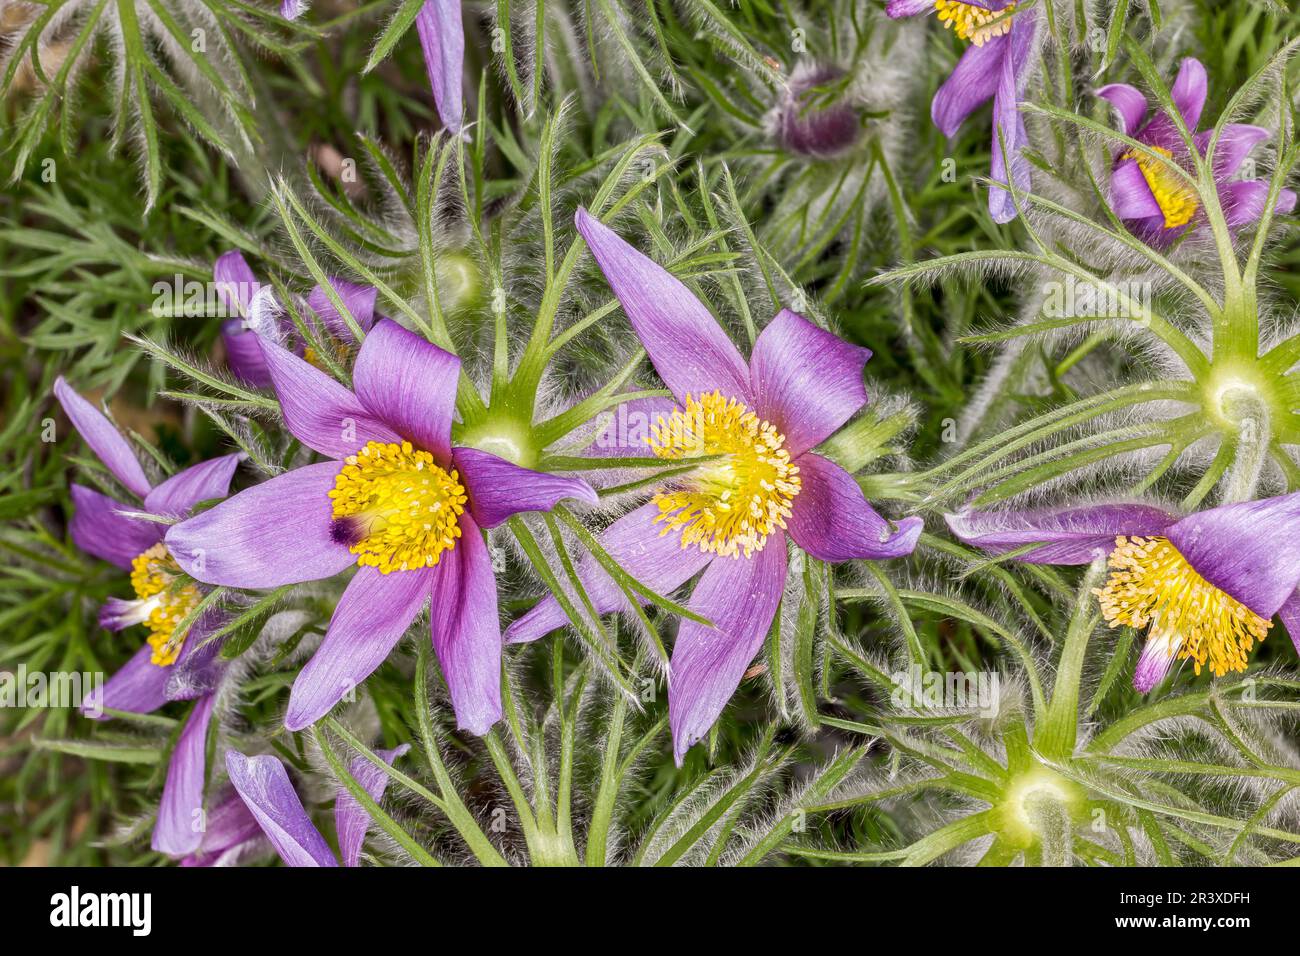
[(1175, 197), (743, 489), (974, 23), (1152, 584), (395, 508), (160, 584)]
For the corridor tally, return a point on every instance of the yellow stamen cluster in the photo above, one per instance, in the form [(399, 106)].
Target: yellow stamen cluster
[(154, 576), (1151, 583), (974, 23), (1175, 196), (741, 493), (399, 508)]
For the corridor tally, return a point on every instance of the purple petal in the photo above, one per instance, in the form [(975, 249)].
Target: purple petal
[(1234, 146), (690, 351), (278, 532), (1130, 195), (98, 527), (1068, 535), (1153, 664), (1243, 201), (104, 440), (972, 83), (634, 542), (1189, 91), (264, 785), (138, 687), (244, 354), (180, 825), (199, 669), (896, 9), (443, 39), (351, 820), (320, 412), (498, 489), (806, 381), (626, 433), (410, 385), (1250, 550), (832, 521), (360, 300), (371, 617), (235, 282), (202, 482), (466, 630), (1289, 613), (1129, 103), (292, 9), (739, 595), (1009, 134)]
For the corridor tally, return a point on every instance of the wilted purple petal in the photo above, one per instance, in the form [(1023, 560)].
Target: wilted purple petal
[(1074, 535), (740, 597), (689, 350), (264, 785), (1250, 550), (278, 532), (442, 38), (1243, 201), (104, 440), (498, 489), (466, 630), (180, 825), (409, 384), (806, 381), (1129, 103), (138, 687), (98, 527), (371, 617), (202, 482), (351, 820), (320, 412), (832, 521), (360, 300), (634, 543)]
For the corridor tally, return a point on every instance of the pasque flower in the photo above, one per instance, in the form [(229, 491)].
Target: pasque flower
[(802, 125), (754, 424), (169, 666), (1157, 203), (394, 498), (996, 66), (264, 788), (1205, 586), (259, 316)]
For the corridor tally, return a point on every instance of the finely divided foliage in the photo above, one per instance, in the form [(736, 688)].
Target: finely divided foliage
[(837, 432)]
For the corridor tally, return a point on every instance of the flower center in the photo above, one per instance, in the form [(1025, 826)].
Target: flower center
[(155, 576), (1152, 584), (974, 23), (1177, 199), (395, 508), (736, 497)]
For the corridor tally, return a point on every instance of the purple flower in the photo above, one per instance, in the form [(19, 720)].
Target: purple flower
[(164, 669), (395, 498), (800, 126), (442, 37), (264, 789), (1206, 585), (259, 314), (756, 421), (994, 66), (1158, 204)]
